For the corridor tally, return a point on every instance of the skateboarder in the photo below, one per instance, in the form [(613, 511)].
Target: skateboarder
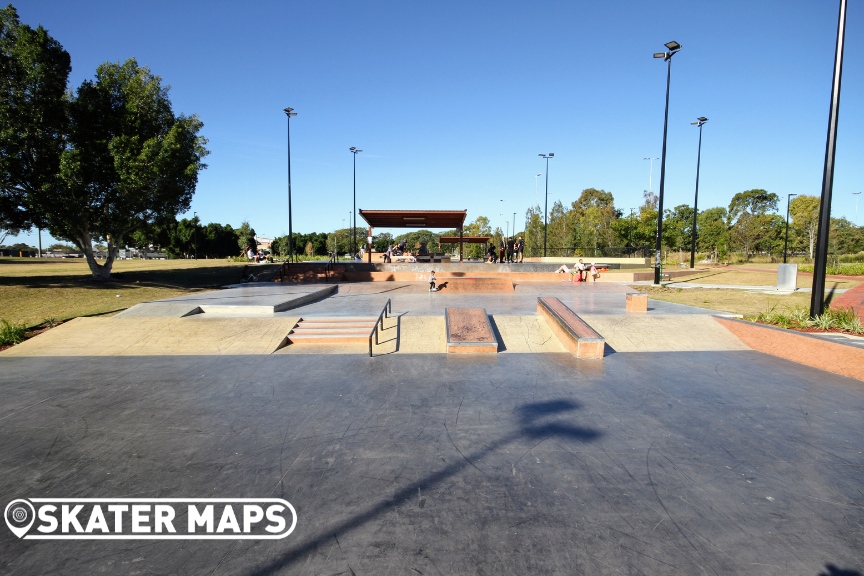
[(432, 287)]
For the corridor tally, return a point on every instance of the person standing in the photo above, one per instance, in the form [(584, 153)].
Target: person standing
[(511, 246), (520, 247)]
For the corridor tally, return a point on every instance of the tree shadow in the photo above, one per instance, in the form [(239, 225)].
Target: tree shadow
[(832, 570), (534, 422), (181, 278)]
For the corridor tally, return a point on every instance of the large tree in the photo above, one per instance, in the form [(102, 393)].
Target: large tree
[(34, 69), (805, 218), (593, 215), (129, 162), (749, 212)]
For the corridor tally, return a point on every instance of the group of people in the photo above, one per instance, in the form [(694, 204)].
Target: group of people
[(257, 257), (581, 269), (509, 251)]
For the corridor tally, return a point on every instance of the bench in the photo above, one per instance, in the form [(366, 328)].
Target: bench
[(577, 337)]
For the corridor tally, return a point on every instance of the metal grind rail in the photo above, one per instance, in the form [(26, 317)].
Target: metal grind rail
[(388, 307)]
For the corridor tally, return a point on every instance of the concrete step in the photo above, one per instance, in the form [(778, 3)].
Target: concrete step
[(337, 325), (340, 319), (331, 331), (327, 338)]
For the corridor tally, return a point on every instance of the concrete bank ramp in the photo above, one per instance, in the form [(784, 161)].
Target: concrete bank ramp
[(236, 301), (663, 333), (194, 335)]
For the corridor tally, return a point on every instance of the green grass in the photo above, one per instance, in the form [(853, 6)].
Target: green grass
[(37, 292)]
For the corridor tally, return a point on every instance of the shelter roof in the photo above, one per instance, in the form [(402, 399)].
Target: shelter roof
[(465, 239), (448, 219)]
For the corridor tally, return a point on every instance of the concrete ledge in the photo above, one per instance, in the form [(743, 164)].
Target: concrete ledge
[(637, 302), (469, 331), (574, 333), (475, 285), (799, 347), (422, 275)]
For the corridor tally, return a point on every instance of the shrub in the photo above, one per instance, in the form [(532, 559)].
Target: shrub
[(11, 334)]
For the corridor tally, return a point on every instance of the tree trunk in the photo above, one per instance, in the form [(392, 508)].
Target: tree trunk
[(101, 272)]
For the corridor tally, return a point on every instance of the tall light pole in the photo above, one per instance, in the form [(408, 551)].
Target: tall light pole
[(514, 224), (651, 174), (856, 194), (536, 176), (630, 231), (699, 122), (546, 203), (817, 293), (501, 213), (289, 112), (354, 151), (786, 241), (673, 48), (195, 217)]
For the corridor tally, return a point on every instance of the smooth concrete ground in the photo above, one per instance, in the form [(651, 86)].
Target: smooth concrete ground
[(723, 461)]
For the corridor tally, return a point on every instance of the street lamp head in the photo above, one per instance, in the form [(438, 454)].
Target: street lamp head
[(290, 112), (702, 119), (673, 46), (660, 55), (355, 150)]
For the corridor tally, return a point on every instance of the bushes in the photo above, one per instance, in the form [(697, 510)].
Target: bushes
[(11, 334), (853, 269), (834, 319)]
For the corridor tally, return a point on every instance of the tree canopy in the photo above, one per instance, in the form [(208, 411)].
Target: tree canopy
[(97, 164), (34, 69)]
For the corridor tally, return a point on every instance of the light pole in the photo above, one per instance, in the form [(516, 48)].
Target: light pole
[(673, 48), (514, 224), (289, 112), (699, 122), (501, 213), (354, 151), (546, 203), (817, 293), (786, 241), (856, 194), (536, 176), (630, 231), (195, 214), (651, 173)]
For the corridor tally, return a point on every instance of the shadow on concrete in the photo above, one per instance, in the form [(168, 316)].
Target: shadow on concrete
[(501, 346), (536, 420), (830, 293), (832, 570)]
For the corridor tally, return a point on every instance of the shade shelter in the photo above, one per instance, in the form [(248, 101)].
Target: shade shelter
[(464, 239), (430, 219)]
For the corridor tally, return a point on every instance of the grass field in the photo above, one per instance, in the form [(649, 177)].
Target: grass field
[(35, 290), (742, 301)]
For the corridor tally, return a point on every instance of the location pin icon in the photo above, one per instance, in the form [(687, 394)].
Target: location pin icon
[(19, 516)]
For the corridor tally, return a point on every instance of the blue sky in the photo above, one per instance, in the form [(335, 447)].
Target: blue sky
[(452, 101)]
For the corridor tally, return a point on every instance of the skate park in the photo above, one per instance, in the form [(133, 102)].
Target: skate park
[(680, 449)]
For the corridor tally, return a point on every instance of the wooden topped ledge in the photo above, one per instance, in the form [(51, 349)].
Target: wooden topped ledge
[(469, 331), (578, 337)]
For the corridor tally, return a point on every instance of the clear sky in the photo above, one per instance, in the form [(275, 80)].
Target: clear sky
[(452, 101)]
